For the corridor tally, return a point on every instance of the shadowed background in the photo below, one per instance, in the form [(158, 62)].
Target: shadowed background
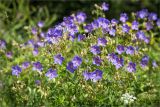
[(17, 15)]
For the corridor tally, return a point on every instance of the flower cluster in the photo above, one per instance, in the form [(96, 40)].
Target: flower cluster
[(16, 70), (116, 43), (93, 76), (74, 64), (127, 98), (51, 73)]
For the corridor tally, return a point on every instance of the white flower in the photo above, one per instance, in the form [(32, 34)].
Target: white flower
[(127, 98)]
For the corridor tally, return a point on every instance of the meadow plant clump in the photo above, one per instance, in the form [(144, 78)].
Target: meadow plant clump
[(79, 63)]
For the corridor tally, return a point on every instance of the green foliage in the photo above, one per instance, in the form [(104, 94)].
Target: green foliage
[(67, 90)]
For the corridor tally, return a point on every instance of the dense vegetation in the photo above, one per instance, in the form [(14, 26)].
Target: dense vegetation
[(89, 58)]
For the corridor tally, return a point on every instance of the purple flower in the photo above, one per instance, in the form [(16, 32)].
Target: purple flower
[(25, 65), (77, 61), (42, 34), (37, 66), (158, 22), (34, 31), (123, 17), (51, 40), (144, 61), (105, 6), (130, 50), (60, 26), (131, 67), (51, 74), (102, 42), (30, 43), (95, 24), (119, 62), (71, 37), (125, 28), (53, 32), (154, 64), (112, 31), (149, 26), (140, 35), (103, 22), (37, 82), (145, 58), (52, 35), (40, 24), (81, 37), (2, 44), (35, 52), (96, 75), (95, 50), (81, 17), (35, 46), (70, 67), (97, 61), (86, 75), (88, 28), (58, 59), (9, 54), (135, 25), (114, 22), (72, 29), (142, 13), (16, 70), (67, 21), (112, 57), (106, 30), (152, 16), (147, 40), (40, 44), (120, 49)]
